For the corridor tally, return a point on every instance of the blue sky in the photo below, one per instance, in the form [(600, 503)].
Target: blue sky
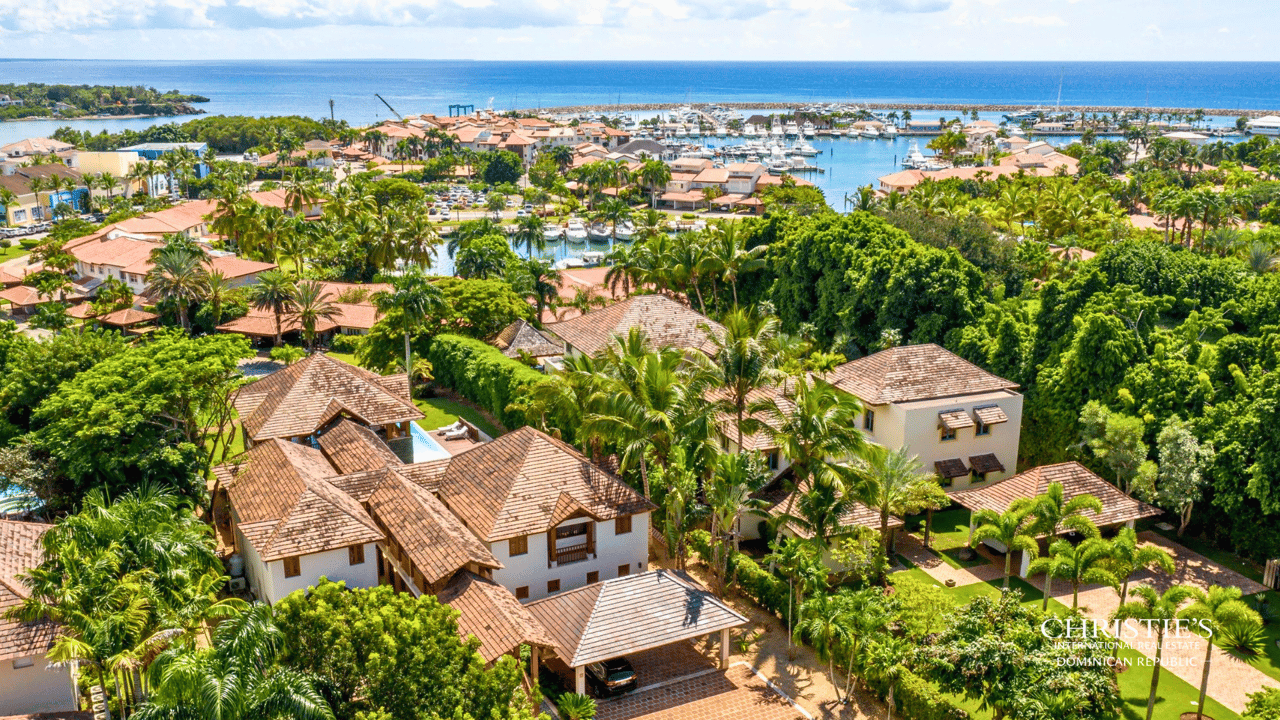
[(642, 29)]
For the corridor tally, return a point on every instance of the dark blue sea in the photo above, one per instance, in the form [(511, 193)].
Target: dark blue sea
[(430, 86)]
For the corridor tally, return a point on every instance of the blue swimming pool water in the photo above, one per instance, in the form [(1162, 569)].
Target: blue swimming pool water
[(425, 447)]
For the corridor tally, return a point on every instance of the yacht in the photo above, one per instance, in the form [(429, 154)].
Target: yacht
[(890, 131), (626, 231), (792, 129), (553, 232), (576, 232), (871, 132), (598, 232), (803, 148), (807, 129)]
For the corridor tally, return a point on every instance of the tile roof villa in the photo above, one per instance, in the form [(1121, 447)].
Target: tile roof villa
[(914, 372), (665, 322)]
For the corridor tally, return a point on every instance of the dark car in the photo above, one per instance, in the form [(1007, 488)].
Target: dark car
[(611, 677)]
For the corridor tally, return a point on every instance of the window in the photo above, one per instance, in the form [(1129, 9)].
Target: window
[(553, 586), (624, 570), (773, 460), (869, 421), (518, 546), (522, 592), (593, 577), (945, 482), (571, 531), (622, 525), (948, 434), (291, 567), (981, 429), (976, 477), (355, 554)]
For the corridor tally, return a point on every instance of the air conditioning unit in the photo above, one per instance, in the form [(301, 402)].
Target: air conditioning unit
[(238, 584)]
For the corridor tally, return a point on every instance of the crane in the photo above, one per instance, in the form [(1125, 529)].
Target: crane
[(384, 102)]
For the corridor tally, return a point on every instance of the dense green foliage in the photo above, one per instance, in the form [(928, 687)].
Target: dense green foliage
[(482, 374), (223, 133), (41, 100)]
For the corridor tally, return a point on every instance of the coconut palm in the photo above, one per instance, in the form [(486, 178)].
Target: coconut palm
[(887, 660), (274, 292), (822, 625), (1155, 610), (743, 360), (613, 211), (1212, 611), (414, 297), (38, 185), (1054, 514), (300, 195), (655, 175), (814, 426), (728, 493), (1081, 564), (1126, 557), (178, 274), (651, 224), (728, 257), (310, 306), (545, 284), (530, 231), (893, 482), (1011, 528)]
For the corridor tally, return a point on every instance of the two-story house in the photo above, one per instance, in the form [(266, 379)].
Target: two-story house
[(959, 419)]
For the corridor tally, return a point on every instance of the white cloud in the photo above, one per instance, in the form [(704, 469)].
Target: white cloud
[(1037, 20)]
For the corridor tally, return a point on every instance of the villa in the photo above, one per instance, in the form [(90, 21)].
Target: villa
[(31, 206), (665, 322)]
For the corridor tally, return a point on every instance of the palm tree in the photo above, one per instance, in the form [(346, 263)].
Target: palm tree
[(1261, 258), (1126, 557), (1011, 528), (414, 297), (1159, 609), (530, 231), (1054, 513), (814, 426), (893, 483), (743, 360), (178, 273), (823, 627), (728, 257), (1085, 563), (275, 292), (300, 195), (38, 184), (546, 284), (727, 493), (887, 659), (655, 174), (1213, 610), (310, 306), (8, 199)]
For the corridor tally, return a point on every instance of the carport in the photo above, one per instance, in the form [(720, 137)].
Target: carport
[(630, 614)]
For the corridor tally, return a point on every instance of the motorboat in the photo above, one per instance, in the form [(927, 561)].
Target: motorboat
[(889, 131), (552, 232), (576, 232), (803, 148), (598, 232), (871, 132), (807, 129), (625, 231)]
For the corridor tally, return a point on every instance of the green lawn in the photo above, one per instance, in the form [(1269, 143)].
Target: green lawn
[(348, 358), (950, 529), (1175, 695), (13, 251), (1270, 664), (442, 411)]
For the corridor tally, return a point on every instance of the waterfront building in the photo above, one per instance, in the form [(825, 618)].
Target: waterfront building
[(1266, 125), (156, 150)]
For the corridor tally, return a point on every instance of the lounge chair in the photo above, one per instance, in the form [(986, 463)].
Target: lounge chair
[(457, 434), (451, 428)]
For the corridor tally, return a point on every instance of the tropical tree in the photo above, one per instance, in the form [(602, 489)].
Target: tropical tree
[(655, 175), (310, 306), (1054, 514), (1085, 563), (743, 360), (822, 625), (1212, 611), (414, 297), (1155, 610), (274, 292), (728, 257), (887, 659), (728, 493), (178, 274), (530, 231), (1011, 528), (893, 482), (545, 283), (1126, 556)]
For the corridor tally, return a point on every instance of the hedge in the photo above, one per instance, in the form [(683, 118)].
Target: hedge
[(483, 375)]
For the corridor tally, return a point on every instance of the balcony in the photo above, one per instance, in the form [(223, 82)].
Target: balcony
[(572, 554)]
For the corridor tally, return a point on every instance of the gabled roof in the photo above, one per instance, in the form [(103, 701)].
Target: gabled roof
[(493, 615), (521, 335), (352, 447), (298, 400), (434, 539), (914, 372), (666, 322), (20, 551), (629, 614), (286, 506), (1076, 480), (515, 485)]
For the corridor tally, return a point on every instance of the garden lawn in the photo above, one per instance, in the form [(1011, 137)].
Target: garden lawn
[(949, 535), (13, 251), (1269, 662), (348, 358), (442, 411)]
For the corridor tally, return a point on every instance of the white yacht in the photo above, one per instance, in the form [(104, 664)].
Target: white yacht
[(792, 129), (576, 232), (552, 232), (804, 148), (807, 129), (625, 231), (598, 232)]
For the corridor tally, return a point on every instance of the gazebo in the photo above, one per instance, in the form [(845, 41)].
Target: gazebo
[(631, 614), (1117, 508), (126, 319)]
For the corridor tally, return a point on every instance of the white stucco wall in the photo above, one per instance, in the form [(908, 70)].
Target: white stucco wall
[(35, 688), (333, 564), (920, 432), (530, 570)]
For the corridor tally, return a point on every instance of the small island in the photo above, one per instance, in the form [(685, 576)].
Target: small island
[(38, 100)]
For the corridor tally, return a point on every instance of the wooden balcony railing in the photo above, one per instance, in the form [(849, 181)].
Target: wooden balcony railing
[(572, 554)]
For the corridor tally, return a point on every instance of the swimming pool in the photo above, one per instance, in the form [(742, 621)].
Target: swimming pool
[(425, 447)]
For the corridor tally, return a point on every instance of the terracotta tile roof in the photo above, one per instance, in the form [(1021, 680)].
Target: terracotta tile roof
[(952, 468), (286, 506), (20, 551), (127, 317), (301, 398), (426, 474), (666, 322), (521, 335), (1076, 480), (514, 485), (985, 463), (26, 295), (434, 539), (352, 447), (914, 372), (629, 614), (493, 615)]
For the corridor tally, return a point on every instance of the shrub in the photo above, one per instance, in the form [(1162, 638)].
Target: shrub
[(30, 243), (345, 343), (918, 699), (287, 354), (577, 707), (483, 375), (6, 243), (1263, 705)]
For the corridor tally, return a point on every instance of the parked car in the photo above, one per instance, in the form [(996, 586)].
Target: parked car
[(611, 677)]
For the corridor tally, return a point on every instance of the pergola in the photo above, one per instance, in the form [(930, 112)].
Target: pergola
[(630, 614), (1117, 508)]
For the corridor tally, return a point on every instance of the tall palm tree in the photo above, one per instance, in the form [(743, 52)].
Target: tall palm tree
[(38, 185), (655, 174), (822, 626), (178, 274), (814, 426), (529, 230), (299, 195), (545, 284), (1011, 528), (727, 493), (310, 306), (1126, 557), (743, 360), (1159, 609), (1213, 610), (275, 292), (414, 297), (1081, 564), (613, 211), (893, 482), (1054, 514), (728, 256)]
